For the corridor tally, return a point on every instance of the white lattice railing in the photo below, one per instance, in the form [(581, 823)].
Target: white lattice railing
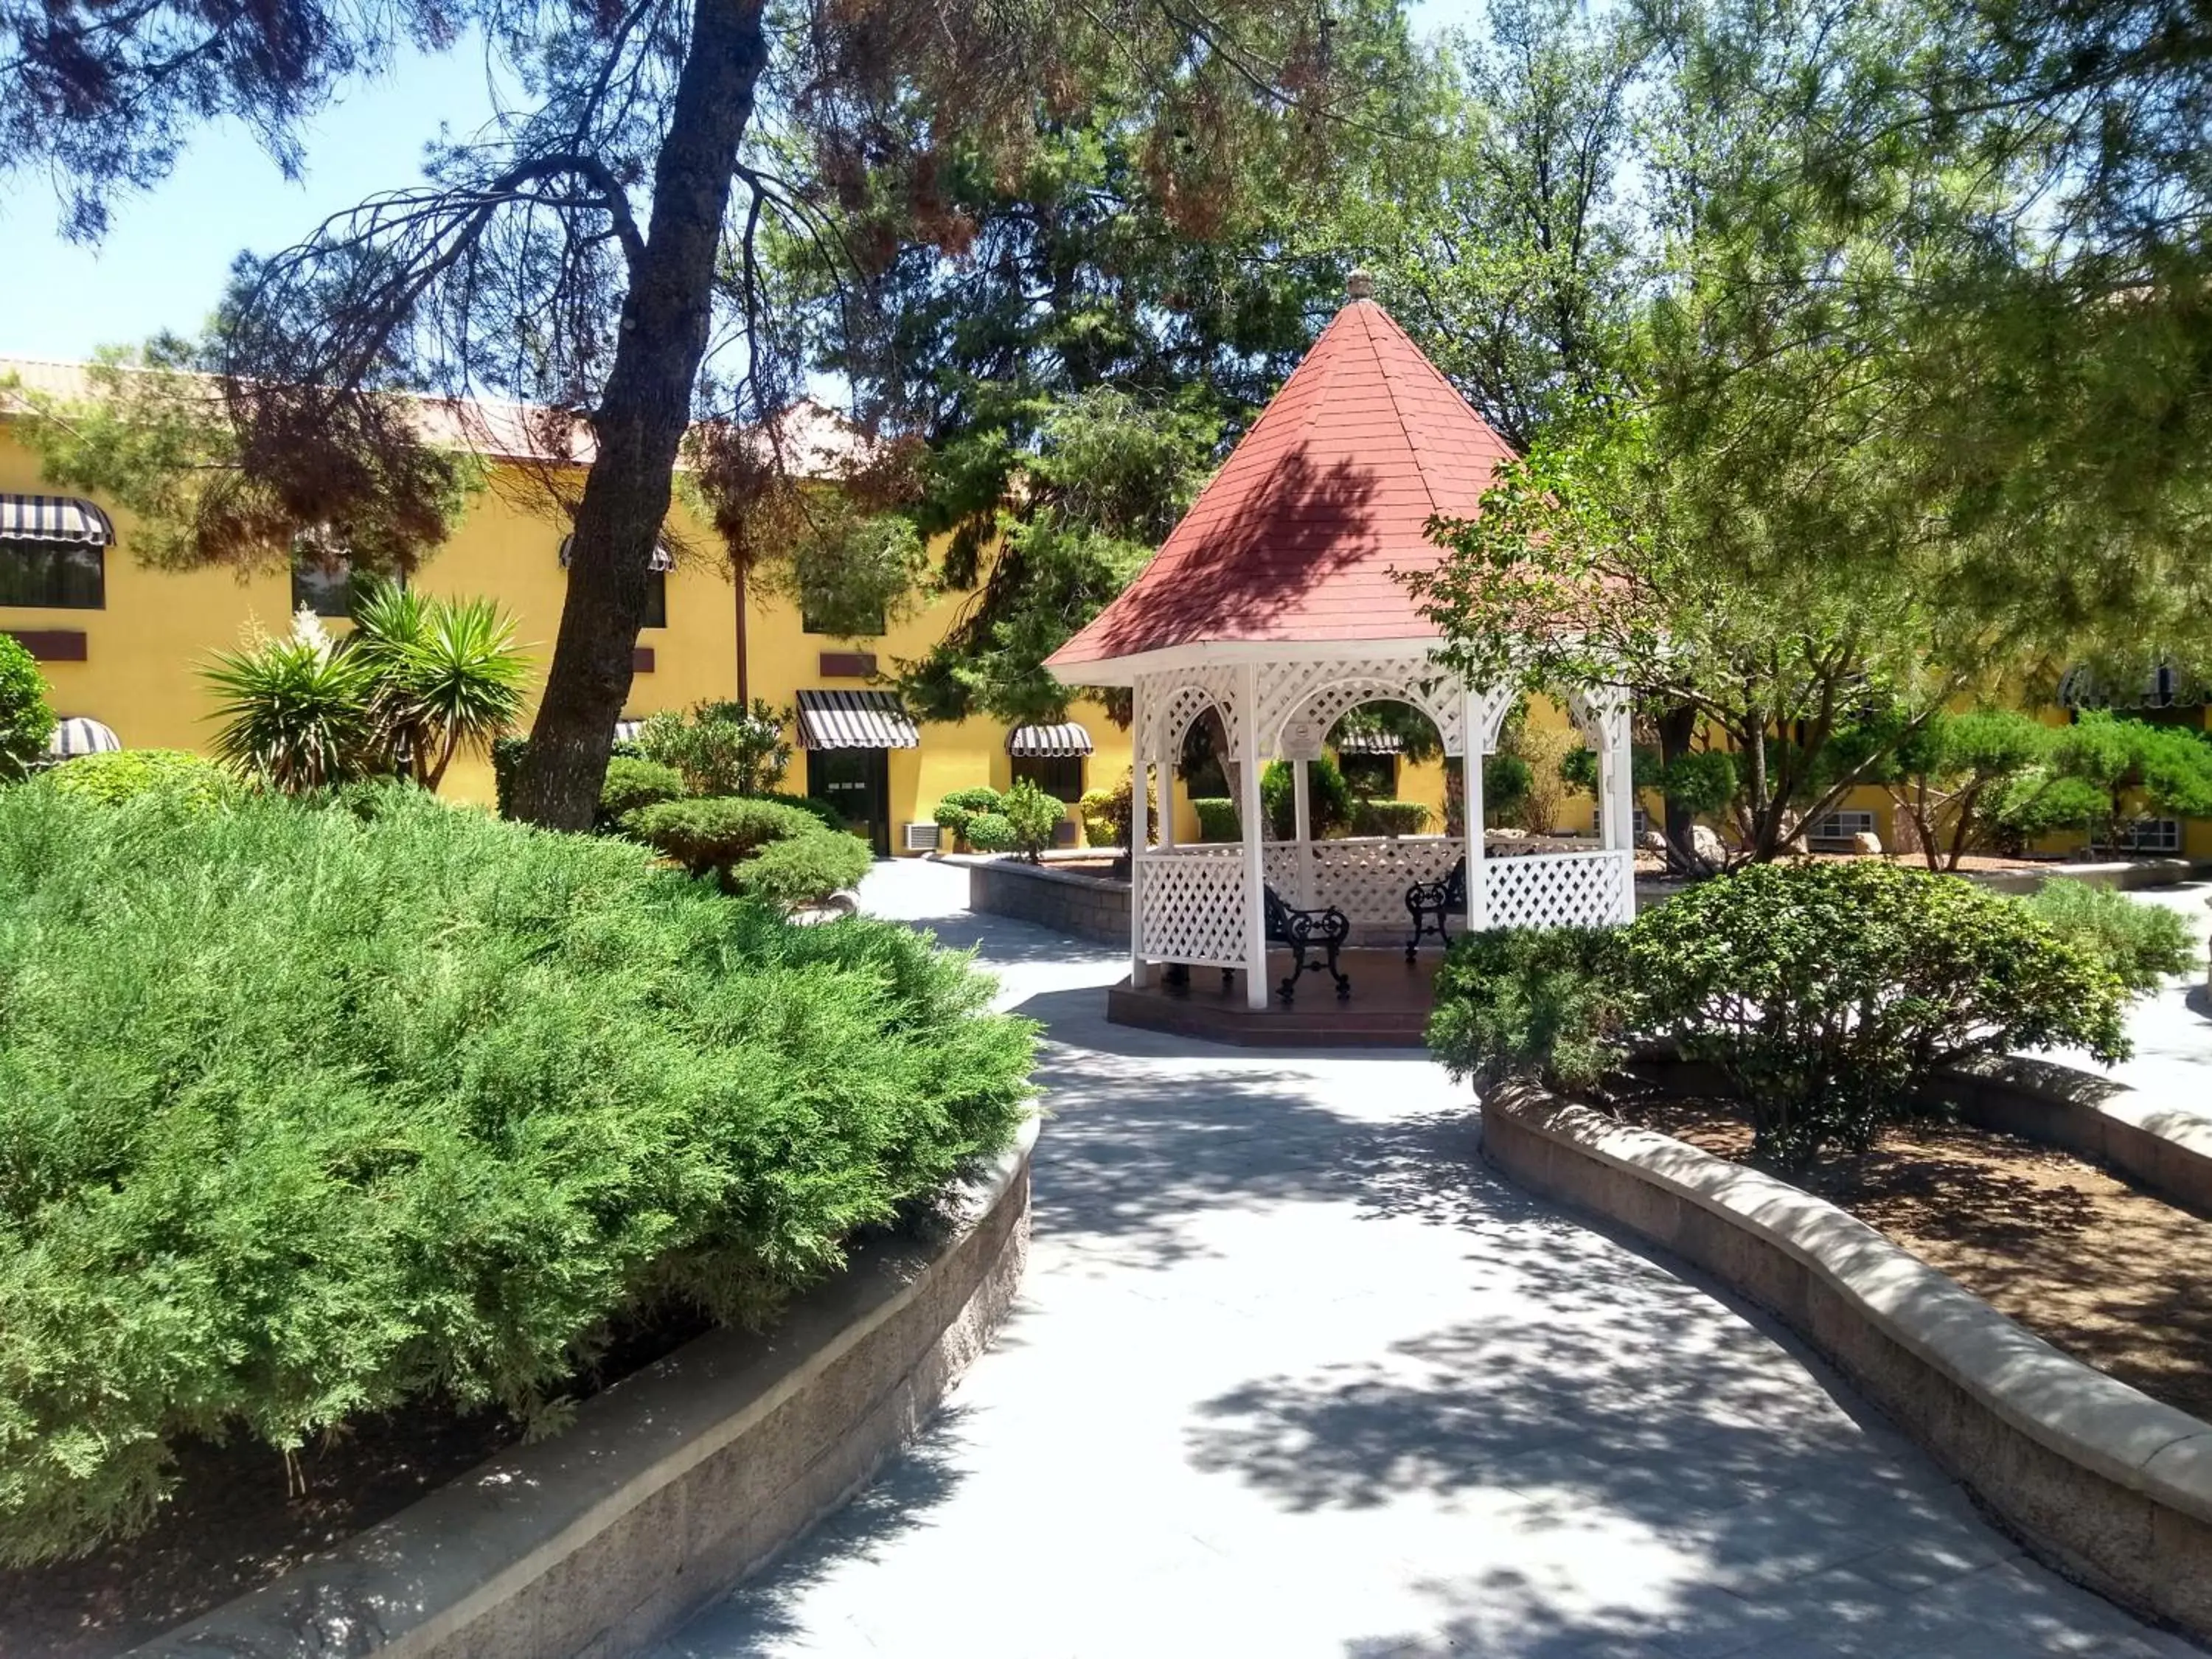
[(1192, 901), (1365, 877), (1560, 890)]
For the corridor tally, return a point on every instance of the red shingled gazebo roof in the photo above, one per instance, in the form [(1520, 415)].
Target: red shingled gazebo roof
[(1295, 540)]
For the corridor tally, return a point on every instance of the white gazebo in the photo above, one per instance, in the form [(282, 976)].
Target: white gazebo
[(1277, 602)]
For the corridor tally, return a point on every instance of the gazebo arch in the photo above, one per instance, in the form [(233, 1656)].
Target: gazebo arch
[(1279, 600)]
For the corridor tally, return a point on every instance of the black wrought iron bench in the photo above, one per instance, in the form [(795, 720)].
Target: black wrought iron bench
[(1429, 901), (1297, 931)]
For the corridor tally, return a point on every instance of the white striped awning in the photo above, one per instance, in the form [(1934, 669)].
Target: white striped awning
[(854, 719), (55, 518), (1369, 743), (662, 558), (627, 731), (81, 735), (2162, 688), (1048, 742)]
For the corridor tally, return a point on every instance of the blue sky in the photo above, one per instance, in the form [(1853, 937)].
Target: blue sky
[(163, 262)]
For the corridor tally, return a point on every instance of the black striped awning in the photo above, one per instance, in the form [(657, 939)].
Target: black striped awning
[(81, 735), (1369, 743), (854, 719), (662, 558), (2162, 688), (1048, 742), (55, 518)]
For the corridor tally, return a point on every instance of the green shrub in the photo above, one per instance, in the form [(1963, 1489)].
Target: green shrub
[(1507, 781), (1548, 1005), (1328, 797), (1389, 817), (1109, 814), (991, 832), (633, 784), (2139, 944), (27, 723), (1033, 815), (806, 869), (506, 755), (303, 1118), (721, 748), (1827, 992), (827, 813), (958, 806), (1701, 782), (126, 773), (714, 835), (1217, 819)]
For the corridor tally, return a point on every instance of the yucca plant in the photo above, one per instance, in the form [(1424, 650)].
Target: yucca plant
[(295, 712), (449, 675)]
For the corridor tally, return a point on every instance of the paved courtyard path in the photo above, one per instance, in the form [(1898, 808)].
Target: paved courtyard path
[(1294, 1374)]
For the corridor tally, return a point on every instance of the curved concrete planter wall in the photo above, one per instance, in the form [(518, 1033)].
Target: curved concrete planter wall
[(671, 1485), (2107, 1483)]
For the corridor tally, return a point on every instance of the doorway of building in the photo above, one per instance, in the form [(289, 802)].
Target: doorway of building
[(858, 782)]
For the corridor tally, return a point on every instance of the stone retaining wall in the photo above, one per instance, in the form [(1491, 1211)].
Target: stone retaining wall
[(2105, 1482), (1081, 906), (671, 1486)]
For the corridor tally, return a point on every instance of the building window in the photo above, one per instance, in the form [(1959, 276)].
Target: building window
[(324, 589), (1060, 776), (2141, 836), (656, 599), (53, 575), (1370, 777)]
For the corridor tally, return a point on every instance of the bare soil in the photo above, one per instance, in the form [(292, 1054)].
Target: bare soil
[(242, 1515), (2112, 1275)]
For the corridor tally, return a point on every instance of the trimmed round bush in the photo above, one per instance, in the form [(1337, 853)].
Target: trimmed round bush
[(713, 836), (1217, 819), (304, 1117), (958, 806), (992, 832), (126, 773), (1547, 1004), (632, 784), (1828, 992), (827, 813), (806, 869), (26, 722)]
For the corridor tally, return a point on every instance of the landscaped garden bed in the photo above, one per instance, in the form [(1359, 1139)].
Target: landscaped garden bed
[(345, 1141), (2109, 1274)]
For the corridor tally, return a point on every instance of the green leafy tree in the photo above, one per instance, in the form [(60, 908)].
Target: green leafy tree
[(26, 722), (1035, 818), (722, 747)]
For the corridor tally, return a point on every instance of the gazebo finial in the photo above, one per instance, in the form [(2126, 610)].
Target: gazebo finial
[(1360, 285)]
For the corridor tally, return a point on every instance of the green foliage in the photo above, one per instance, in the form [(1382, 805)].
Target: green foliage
[(1109, 815), (1548, 1005), (632, 783), (721, 748), (1506, 783), (126, 773), (1389, 817), (1959, 780), (1033, 816), (303, 1118), (295, 713), (450, 678), (507, 755), (27, 723), (713, 836), (1701, 782), (1328, 797), (959, 806), (1217, 819), (2139, 944), (827, 813), (991, 832), (1827, 992), (803, 870)]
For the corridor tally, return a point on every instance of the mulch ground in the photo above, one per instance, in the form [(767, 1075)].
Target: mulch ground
[(2118, 1278), (241, 1517)]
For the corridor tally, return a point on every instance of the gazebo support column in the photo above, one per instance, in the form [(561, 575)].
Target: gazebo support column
[(1140, 781), (1470, 778), (1302, 807), (1248, 812)]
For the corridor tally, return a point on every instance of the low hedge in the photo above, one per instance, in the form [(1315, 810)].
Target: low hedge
[(2140, 944), (304, 1117), (1389, 817), (1217, 819), (126, 773)]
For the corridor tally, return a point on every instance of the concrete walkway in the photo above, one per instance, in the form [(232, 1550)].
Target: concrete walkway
[(2173, 1030), (1293, 1374)]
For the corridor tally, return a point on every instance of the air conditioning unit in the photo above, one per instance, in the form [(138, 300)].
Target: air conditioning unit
[(1063, 833), (919, 837), (1838, 832)]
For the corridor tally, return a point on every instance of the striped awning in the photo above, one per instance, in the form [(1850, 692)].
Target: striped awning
[(627, 731), (2162, 688), (1369, 743), (662, 558), (854, 719), (81, 735), (1048, 742), (55, 518)]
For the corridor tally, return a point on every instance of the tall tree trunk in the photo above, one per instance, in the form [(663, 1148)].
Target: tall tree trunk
[(641, 418)]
